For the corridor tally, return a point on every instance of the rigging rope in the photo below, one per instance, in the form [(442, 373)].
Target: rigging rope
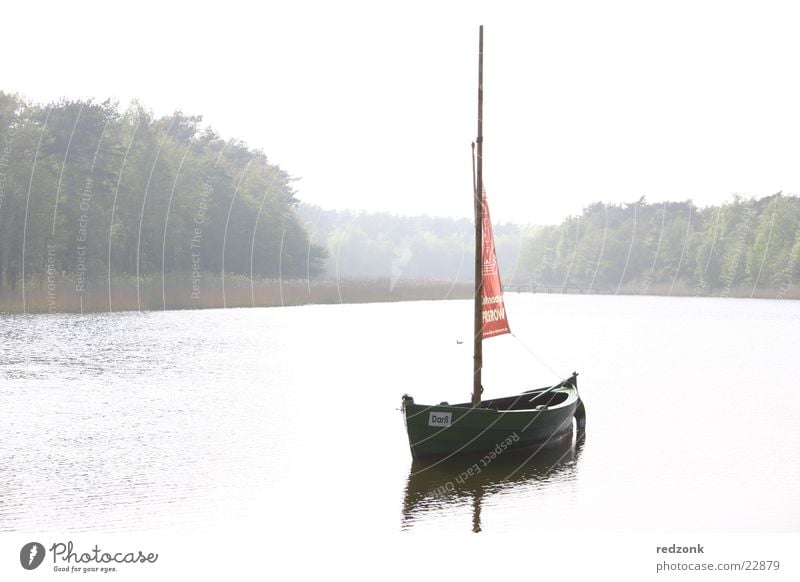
[(540, 360)]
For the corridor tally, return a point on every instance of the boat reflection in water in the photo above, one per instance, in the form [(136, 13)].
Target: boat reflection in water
[(435, 486)]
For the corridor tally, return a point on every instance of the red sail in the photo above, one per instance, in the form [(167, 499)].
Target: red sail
[(494, 309)]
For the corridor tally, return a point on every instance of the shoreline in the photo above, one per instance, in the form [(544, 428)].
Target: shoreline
[(176, 293), (179, 293)]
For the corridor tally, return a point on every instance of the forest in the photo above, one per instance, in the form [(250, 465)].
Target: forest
[(386, 246), (744, 247), (106, 209), (98, 203)]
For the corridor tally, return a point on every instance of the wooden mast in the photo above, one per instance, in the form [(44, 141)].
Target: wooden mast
[(478, 346)]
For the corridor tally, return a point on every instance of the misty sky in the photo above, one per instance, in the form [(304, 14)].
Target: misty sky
[(373, 107)]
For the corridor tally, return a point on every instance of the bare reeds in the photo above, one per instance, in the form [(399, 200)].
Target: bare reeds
[(209, 291)]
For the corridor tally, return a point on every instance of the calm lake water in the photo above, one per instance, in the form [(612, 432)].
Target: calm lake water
[(204, 419)]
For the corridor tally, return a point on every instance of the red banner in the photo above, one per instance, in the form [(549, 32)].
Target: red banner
[(494, 310)]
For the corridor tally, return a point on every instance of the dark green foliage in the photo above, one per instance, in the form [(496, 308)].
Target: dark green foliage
[(672, 247), (89, 192), (738, 248)]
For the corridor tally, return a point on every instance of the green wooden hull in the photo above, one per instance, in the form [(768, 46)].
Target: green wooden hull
[(446, 430)]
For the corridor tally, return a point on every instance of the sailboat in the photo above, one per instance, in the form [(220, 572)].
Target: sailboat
[(534, 417)]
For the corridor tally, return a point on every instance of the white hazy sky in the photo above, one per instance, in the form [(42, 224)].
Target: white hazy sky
[(373, 105)]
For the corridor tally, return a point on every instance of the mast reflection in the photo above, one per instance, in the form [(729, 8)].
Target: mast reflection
[(435, 485)]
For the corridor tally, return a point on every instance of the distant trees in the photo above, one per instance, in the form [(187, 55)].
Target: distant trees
[(736, 248), (92, 196), (382, 245), (89, 192), (741, 246)]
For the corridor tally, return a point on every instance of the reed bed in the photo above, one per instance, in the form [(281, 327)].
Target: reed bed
[(684, 290), (211, 291)]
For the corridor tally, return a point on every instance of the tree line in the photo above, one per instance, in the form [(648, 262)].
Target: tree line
[(94, 198), (90, 193), (381, 245), (745, 247)]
